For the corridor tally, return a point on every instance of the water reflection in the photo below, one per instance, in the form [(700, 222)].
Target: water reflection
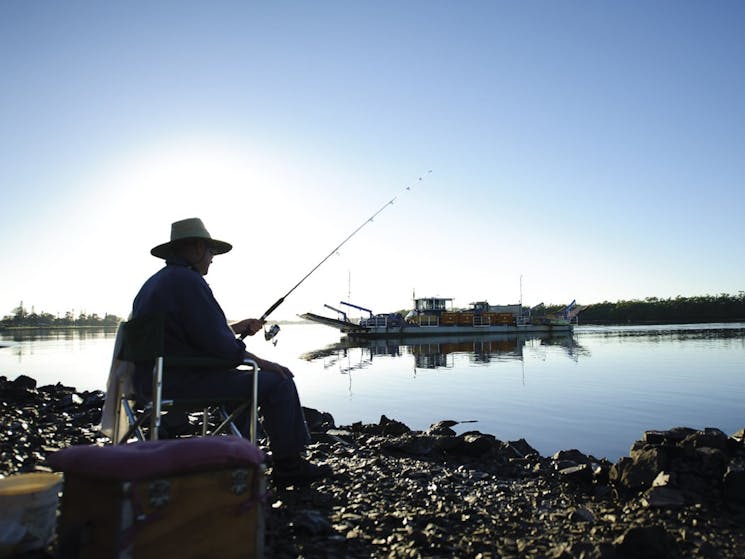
[(16, 336), (77, 357), (439, 351), (668, 332)]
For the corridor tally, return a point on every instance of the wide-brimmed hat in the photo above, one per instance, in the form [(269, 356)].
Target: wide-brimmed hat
[(191, 228)]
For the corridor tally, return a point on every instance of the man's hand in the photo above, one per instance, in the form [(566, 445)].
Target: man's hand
[(278, 369), (249, 326), (270, 366)]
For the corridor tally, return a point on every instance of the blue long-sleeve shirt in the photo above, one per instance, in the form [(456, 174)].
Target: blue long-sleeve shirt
[(195, 325)]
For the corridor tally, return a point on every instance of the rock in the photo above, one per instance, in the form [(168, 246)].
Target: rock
[(654, 437), (581, 515), (639, 471), (663, 497), (709, 437), (739, 436), (522, 446), (447, 444), (662, 480), (653, 458), (421, 445), (581, 474), (332, 436), (601, 472), (392, 427), (573, 455), (632, 476), (318, 421), (734, 482), (648, 542), (712, 462), (707, 551), (442, 428), (678, 434), (23, 382), (474, 443), (312, 522), (68, 401), (93, 399)]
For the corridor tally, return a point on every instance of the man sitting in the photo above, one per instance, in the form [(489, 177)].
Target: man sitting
[(195, 325)]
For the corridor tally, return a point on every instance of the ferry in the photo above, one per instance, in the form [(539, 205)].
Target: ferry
[(433, 316)]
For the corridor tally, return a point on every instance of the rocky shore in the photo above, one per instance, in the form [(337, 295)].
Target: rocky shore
[(402, 493)]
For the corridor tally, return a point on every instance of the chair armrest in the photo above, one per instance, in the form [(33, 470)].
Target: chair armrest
[(200, 362)]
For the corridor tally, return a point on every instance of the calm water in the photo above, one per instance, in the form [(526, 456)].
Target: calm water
[(596, 390)]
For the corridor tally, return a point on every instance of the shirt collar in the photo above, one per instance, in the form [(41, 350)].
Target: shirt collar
[(174, 260)]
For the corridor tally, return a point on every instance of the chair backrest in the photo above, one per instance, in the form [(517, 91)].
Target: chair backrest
[(142, 338)]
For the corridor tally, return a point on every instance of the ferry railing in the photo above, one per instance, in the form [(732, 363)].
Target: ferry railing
[(375, 322), (429, 320), (480, 320)]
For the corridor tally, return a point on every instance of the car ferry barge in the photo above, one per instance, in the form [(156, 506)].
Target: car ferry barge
[(432, 316)]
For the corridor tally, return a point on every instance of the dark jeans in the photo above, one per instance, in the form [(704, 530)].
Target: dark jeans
[(279, 403)]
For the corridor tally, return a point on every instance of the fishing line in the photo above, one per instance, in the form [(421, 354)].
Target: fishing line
[(269, 334)]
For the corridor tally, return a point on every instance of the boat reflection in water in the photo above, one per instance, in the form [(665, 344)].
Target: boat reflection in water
[(440, 351)]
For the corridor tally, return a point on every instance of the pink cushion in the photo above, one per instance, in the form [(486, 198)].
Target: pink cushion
[(143, 460)]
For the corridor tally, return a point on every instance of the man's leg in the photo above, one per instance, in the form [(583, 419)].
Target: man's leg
[(279, 402)]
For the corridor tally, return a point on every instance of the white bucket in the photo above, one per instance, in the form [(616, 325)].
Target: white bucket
[(28, 511)]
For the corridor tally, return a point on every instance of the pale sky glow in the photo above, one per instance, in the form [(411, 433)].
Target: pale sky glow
[(595, 149)]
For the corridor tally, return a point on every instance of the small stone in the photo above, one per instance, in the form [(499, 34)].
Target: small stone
[(582, 515), (661, 480)]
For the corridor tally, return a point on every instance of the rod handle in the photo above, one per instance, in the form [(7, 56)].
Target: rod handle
[(269, 311)]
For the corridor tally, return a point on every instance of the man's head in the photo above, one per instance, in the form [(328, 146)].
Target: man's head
[(191, 240)]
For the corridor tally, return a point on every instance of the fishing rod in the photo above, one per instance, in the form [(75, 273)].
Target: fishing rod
[(274, 330)]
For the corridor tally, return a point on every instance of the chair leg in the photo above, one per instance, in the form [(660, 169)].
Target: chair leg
[(157, 398), (252, 430), (135, 424), (229, 420), (117, 422), (254, 405)]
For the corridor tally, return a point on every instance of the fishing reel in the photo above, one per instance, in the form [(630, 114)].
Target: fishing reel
[(271, 333)]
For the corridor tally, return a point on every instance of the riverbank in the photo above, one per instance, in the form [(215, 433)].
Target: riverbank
[(402, 493)]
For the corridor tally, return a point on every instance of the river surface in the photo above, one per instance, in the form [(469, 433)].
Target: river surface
[(596, 390)]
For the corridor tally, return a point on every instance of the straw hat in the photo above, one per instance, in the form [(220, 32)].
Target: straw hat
[(191, 228)]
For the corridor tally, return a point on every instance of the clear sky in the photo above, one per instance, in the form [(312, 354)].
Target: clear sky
[(579, 150)]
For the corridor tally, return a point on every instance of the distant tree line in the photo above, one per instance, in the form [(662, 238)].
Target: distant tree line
[(680, 310), (20, 317)]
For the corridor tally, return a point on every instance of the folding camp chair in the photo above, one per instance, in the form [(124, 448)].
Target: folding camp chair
[(142, 339)]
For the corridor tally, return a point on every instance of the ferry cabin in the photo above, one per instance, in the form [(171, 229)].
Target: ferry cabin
[(437, 311)]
